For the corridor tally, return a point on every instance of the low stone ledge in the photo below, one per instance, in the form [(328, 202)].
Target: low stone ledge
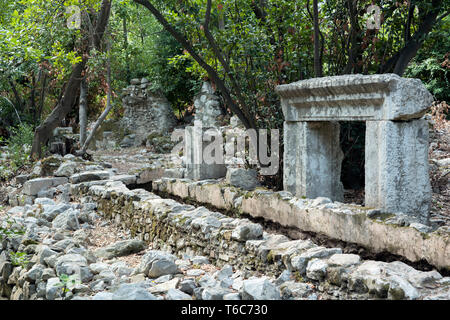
[(351, 223), (181, 228)]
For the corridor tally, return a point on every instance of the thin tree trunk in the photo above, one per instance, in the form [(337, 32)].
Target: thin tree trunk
[(42, 98), (19, 103), (83, 110), (105, 113), (33, 108), (317, 44), (224, 63), (45, 131), (125, 48), (211, 72)]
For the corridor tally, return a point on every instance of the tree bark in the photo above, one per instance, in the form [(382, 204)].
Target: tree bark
[(211, 72), (224, 63), (317, 44), (42, 97), (105, 112), (353, 46), (45, 131), (19, 103), (399, 62), (83, 110)]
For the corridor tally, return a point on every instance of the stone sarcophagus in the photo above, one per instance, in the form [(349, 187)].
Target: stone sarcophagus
[(396, 150)]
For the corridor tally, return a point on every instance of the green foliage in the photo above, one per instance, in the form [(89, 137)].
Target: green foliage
[(19, 145), (10, 230), (19, 259), (432, 63), (67, 282), (18, 150)]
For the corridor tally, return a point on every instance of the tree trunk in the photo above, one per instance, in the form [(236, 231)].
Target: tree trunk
[(317, 44), (42, 98), (248, 123), (83, 110), (125, 48), (19, 103), (45, 131), (399, 62), (105, 112)]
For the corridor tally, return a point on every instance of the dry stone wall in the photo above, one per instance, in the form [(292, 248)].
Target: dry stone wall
[(146, 112), (180, 228)]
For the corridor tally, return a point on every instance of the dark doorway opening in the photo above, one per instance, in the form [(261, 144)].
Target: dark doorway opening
[(352, 140)]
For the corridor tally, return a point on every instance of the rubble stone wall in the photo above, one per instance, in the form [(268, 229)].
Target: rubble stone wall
[(181, 228)]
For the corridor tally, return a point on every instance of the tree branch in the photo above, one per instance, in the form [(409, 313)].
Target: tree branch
[(187, 46)]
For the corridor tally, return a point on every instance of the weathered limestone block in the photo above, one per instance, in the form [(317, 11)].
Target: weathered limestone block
[(246, 179), (32, 187), (396, 152), (312, 160), (146, 111), (355, 97), (196, 144), (89, 176), (207, 106), (397, 178)]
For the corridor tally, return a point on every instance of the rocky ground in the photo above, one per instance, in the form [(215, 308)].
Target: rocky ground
[(61, 235), (71, 238), (72, 251)]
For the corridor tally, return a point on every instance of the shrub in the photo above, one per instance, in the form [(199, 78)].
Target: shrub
[(18, 149)]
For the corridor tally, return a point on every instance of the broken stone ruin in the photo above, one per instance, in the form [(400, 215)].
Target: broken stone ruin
[(146, 112), (136, 224), (147, 115), (396, 150)]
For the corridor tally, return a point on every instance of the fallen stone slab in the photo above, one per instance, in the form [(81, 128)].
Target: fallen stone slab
[(89, 176), (119, 249), (34, 186), (260, 289), (67, 169), (157, 263), (127, 179), (246, 179), (148, 174), (129, 291)]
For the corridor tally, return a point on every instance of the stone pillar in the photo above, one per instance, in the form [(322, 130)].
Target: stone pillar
[(396, 165), (312, 160), (196, 141), (207, 106)]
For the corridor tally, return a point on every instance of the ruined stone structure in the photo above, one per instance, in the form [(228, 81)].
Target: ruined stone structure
[(146, 111), (396, 155), (207, 106), (197, 138)]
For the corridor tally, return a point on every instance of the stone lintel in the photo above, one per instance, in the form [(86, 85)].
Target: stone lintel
[(355, 98)]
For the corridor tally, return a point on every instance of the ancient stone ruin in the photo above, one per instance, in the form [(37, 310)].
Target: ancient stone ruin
[(207, 106), (146, 112), (396, 150), (207, 112)]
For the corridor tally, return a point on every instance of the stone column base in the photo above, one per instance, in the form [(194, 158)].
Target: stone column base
[(397, 177)]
